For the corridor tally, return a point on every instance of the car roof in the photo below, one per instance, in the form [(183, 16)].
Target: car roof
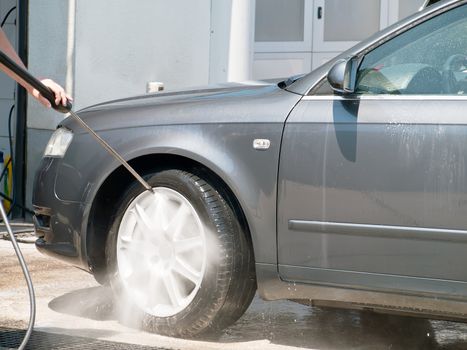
[(303, 85)]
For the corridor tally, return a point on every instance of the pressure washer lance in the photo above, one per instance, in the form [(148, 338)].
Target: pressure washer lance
[(67, 109), (50, 96)]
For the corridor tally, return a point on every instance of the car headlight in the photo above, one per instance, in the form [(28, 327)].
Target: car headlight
[(58, 143)]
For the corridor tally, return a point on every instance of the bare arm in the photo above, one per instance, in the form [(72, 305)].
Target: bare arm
[(60, 95)]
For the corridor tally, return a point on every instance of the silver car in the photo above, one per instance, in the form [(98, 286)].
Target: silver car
[(346, 187)]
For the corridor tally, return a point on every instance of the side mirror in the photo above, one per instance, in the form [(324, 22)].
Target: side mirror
[(342, 76)]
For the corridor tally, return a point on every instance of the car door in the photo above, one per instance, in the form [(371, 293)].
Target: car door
[(372, 186)]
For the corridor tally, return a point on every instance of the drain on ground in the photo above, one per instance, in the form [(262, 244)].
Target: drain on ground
[(11, 338)]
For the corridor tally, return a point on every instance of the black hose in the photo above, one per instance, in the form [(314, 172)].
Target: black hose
[(4, 196), (7, 15), (10, 140), (5, 170)]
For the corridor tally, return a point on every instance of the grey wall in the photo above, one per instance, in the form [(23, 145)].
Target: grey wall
[(48, 24)]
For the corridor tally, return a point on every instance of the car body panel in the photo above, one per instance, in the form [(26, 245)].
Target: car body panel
[(222, 142), (238, 104), (270, 287), (57, 223), (372, 166)]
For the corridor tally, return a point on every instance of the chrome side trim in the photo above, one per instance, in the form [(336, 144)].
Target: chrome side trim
[(383, 231), (450, 289), (386, 98)]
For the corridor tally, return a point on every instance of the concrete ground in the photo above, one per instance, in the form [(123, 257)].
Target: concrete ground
[(70, 302)]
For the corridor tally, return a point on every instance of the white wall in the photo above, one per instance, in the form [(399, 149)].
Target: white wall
[(121, 47), (116, 49)]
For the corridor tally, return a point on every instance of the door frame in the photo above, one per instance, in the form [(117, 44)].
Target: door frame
[(319, 45)]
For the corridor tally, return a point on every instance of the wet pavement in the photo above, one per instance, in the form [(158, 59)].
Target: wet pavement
[(71, 303)]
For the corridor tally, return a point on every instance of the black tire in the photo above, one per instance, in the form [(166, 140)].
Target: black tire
[(228, 284)]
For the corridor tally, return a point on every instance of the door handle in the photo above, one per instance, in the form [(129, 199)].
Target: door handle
[(320, 12)]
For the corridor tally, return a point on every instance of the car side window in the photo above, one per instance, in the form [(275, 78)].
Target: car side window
[(430, 58), (322, 89)]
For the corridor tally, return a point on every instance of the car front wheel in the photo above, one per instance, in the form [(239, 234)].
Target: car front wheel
[(178, 256)]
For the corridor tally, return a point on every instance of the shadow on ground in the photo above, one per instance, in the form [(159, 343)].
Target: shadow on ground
[(288, 323), (95, 303)]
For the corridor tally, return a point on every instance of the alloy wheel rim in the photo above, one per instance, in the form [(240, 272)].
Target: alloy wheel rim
[(161, 252)]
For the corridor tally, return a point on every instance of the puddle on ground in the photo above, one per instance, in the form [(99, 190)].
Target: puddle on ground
[(292, 324)]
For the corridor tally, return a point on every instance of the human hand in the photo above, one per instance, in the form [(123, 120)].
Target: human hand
[(60, 95)]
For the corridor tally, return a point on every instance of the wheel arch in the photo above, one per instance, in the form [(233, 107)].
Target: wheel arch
[(101, 212)]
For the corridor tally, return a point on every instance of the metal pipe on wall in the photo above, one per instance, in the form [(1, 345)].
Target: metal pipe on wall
[(241, 40), (19, 182)]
